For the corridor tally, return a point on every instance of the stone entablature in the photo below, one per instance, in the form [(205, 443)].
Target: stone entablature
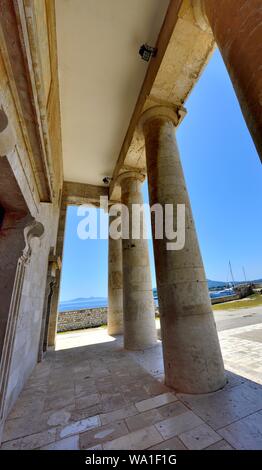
[(29, 92), (31, 180), (183, 50)]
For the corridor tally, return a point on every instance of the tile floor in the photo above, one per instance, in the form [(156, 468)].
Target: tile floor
[(98, 396)]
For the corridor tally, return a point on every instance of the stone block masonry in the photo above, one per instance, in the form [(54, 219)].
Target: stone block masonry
[(79, 319)]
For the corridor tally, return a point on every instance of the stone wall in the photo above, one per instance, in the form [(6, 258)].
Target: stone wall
[(226, 298), (80, 319)]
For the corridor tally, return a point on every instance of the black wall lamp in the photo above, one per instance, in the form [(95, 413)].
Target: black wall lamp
[(146, 52), (107, 179)]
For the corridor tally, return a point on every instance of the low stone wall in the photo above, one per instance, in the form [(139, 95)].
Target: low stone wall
[(81, 319), (226, 298), (92, 317)]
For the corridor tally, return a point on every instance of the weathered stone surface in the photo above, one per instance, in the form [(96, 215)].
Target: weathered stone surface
[(115, 284), (88, 318), (192, 356), (76, 320), (138, 302), (30, 176)]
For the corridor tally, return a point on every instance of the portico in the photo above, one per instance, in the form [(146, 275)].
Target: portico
[(82, 116)]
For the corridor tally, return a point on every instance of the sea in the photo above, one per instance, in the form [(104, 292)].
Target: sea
[(99, 302), (80, 304), (222, 293)]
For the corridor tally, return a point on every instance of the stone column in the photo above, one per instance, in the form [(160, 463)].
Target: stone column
[(52, 327), (50, 284), (138, 302), (192, 356), (115, 285), (237, 28)]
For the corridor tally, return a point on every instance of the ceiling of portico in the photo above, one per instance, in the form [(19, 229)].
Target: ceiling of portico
[(100, 76)]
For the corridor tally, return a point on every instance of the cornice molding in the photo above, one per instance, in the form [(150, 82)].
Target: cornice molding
[(171, 113), (18, 62), (201, 20)]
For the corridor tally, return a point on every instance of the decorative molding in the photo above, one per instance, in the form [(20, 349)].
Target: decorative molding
[(81, 193), (7, 136), (172, 113), (28, 21), (200, 15), (138, 175), (34, 230), (18, 63)]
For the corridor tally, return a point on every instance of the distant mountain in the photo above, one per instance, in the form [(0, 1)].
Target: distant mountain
[(81, 299), (212, 284)]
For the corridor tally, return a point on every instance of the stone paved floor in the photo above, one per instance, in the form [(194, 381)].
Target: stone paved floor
[(98, 396)]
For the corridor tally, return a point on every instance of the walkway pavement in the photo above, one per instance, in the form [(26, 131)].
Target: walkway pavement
[(91, 394)]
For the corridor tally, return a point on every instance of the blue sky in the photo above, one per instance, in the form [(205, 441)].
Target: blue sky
[(224, 179)]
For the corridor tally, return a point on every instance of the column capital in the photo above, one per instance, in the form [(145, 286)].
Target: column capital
[(173, 113), (112, 202), (199, 11), (138, 175)]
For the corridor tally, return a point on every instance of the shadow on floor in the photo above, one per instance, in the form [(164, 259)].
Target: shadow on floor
[(101, 396)]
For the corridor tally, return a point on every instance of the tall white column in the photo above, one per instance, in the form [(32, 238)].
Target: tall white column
[(192, 356), (138, 302), (53, 319), (115, 285)]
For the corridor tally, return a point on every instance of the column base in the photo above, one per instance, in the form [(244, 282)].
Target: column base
[(115, 331), (140, 347), (196, 391), (192, 357)]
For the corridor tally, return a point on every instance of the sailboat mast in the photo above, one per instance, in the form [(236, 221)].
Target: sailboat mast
[(244, 272), (231, 272)]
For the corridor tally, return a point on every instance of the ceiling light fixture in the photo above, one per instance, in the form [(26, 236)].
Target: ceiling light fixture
[(106, 179), (146, 52)]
